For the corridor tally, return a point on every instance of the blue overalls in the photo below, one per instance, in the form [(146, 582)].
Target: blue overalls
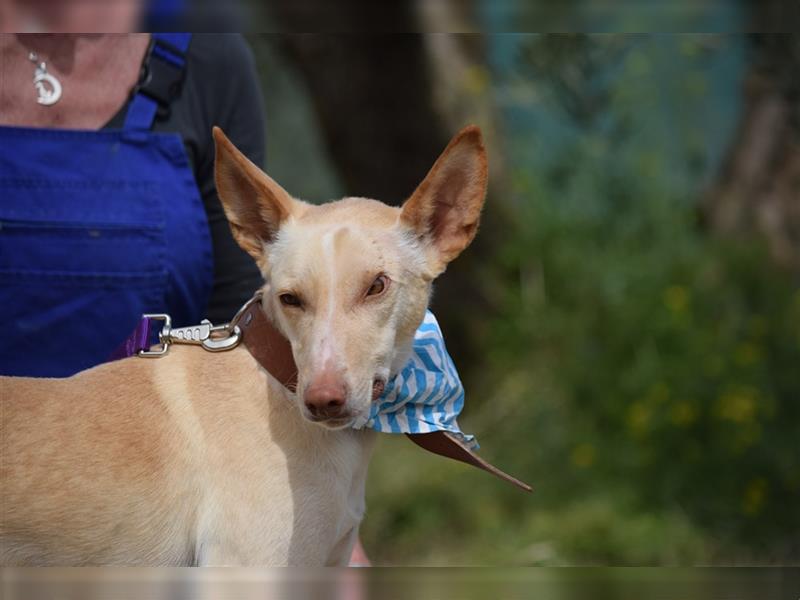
[(96, 228)]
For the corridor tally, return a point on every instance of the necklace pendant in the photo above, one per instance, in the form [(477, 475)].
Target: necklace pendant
[(47, 86)]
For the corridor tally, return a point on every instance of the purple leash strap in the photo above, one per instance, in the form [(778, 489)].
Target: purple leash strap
[(136, 341)]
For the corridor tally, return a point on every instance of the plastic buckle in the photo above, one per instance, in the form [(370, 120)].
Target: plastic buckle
[(161, 79)]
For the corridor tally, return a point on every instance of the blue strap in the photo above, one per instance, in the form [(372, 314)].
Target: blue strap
[(167, 47), (141, 113), (180, 42)]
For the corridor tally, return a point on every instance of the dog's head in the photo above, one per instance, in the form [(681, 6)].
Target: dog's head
[(348, 282)]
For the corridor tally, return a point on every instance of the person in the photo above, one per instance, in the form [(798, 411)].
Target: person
[(109, 205)]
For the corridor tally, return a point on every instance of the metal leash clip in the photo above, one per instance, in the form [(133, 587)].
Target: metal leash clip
[(214, 338)]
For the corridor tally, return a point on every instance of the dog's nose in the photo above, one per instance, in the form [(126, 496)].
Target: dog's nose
[(325, 398)]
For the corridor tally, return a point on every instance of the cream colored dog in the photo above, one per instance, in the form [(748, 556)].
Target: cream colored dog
[(205, 459)]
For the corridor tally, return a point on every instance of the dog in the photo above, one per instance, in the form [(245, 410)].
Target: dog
[(201, 458)]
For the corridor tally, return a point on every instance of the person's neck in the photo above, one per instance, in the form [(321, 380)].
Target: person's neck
[(96, 72), (58, 49)]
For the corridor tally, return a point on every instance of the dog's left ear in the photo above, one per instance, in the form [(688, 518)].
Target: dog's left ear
[(446, 207)]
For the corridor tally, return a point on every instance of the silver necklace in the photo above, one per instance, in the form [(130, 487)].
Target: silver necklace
[(47, 86)]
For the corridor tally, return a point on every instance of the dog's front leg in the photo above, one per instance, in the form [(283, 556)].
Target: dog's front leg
[(340, 555)]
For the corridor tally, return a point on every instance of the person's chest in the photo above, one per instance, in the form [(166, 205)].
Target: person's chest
[(95, 77)]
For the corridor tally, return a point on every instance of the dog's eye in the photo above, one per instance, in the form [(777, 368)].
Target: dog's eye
[(289, 300), (378, 286)]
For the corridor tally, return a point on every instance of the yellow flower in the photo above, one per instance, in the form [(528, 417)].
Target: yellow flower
[(583, 455), (738, 405), (676, 298), (754, 495), (683, 413), (639, 418)]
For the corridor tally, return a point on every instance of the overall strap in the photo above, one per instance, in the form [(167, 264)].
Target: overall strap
[(162, 75)]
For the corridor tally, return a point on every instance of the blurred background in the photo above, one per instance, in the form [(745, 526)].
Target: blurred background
[(627, 323)]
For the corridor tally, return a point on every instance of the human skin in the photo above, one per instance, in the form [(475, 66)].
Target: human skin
[(96, 71)]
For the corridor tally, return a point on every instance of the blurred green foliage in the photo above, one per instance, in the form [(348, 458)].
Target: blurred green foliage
[(640, 373)]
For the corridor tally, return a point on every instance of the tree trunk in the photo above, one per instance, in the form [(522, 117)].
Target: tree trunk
[(758, 189), (373, 97)]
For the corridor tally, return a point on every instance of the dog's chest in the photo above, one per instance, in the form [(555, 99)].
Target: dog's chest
[(292, 505)]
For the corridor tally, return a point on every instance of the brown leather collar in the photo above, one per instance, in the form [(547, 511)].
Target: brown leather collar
[(274, 353)]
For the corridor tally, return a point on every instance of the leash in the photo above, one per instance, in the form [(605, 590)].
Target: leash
[(214, 338), (273, 351)]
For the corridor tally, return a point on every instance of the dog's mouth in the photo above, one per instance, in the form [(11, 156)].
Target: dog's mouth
[(378, 385), (332, 420), (332, 423)]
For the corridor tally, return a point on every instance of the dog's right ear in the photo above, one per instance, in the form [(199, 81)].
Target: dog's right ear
[(445, 209), (253, 202)]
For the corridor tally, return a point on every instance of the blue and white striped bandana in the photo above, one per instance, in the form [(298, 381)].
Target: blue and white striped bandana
[(426, 395)]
